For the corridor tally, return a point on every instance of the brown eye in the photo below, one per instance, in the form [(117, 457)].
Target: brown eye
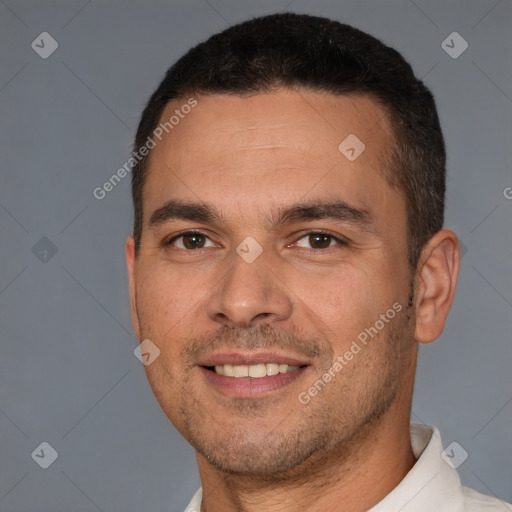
[(190, 241), (193, 241), (319, 240)]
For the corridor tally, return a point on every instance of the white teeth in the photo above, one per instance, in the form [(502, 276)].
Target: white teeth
[(228, 370), (241, 371), (272, 368), (255, 371)]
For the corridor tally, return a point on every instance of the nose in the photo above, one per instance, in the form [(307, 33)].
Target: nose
[(250, 293)]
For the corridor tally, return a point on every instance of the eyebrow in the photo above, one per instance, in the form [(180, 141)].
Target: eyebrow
[(337, 210)]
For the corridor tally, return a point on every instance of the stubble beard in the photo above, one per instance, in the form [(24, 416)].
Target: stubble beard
[(300, 439)]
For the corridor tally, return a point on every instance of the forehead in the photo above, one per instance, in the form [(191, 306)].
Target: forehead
[(280, 146), (315, 122)]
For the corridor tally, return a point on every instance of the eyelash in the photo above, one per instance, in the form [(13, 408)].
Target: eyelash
[(340, 241)]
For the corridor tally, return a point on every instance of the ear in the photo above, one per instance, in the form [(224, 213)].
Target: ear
[(130, 264), (436, 276)]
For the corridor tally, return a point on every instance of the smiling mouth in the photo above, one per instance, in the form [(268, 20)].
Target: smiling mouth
[(252, 381), (253, 371)]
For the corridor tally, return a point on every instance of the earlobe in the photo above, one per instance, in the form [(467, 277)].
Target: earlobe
[(130, 264), (436, 281)]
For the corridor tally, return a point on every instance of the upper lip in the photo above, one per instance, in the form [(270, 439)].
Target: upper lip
[(250, 358)]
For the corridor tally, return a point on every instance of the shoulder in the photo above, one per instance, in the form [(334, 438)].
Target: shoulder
[(476, 502)]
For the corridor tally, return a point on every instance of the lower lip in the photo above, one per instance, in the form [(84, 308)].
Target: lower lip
[(247, 387)]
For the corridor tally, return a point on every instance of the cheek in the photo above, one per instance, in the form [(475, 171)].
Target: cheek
[(166, 307), (164, 300), (340, 305), (164, 303)]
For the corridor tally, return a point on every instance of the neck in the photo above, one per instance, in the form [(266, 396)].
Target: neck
[(359, 475)]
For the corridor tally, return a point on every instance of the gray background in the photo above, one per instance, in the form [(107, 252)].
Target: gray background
[(68, 375)]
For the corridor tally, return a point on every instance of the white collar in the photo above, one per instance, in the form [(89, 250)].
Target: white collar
[(431, 484)]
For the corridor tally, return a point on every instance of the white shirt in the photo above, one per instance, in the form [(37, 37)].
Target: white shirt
[(432, 485)]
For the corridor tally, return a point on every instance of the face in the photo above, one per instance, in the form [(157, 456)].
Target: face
[(270, 260)]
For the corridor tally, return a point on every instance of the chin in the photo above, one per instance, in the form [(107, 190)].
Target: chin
[(267, 458)]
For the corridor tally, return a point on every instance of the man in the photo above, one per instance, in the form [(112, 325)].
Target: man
[(288, 256)]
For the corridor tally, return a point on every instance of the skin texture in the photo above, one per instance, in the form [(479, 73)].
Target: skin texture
[(247, 157)]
